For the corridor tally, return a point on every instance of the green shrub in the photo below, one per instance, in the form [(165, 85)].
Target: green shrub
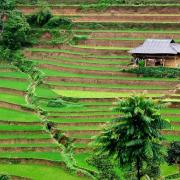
[(27, 2), (6, 5), (6, 54), (40, 18), (77, 38), (158, 72), (56, 103), (16, 31), (173, 177), (62, 23), (105, 167), (4, 177)]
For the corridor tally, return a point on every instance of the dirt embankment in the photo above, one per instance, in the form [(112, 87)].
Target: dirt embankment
[(33, 161), (144, 35), (84, 71), (44, 55), (120, 90), (12, 91), (16, 107), (111, 10), (89, 64), (111, 81)]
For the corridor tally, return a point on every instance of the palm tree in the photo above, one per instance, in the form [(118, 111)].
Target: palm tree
[(134, 139)]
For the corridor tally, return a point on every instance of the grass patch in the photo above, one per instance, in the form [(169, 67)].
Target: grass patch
[(20, 128), (91, 94), (18, 116), (116, 69), (98, 62), (70, 120), (108, 86), (69, 74), (29, 145), (37, 172), (14, 74), (15, 99), (54, 156), (25, 136), (45, 92), (18, 85)]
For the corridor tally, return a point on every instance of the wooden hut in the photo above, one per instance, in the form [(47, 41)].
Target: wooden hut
[(157, 52)]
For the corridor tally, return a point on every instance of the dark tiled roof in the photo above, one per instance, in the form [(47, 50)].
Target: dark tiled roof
[(157, 46)]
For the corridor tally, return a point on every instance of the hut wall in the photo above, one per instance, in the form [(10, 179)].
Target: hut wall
[(178, 61), (170, 62)]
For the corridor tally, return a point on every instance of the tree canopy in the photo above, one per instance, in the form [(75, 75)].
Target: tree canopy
[(15, 32), (134, 138)]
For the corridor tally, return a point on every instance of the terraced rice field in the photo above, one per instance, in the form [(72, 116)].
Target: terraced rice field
[(89, 72)]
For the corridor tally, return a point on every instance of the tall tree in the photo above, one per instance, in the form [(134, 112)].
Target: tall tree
[(16, 31), (134, 139)]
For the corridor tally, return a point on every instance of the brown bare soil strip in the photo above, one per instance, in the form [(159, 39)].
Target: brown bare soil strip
[(81, 140), (6, 70), (90, 50), (84, 71), (110, 10), (82, 150), (19, 178), (81, 117), (174, 105), (26, 141), (112, 43), (98, 100), (171, 115), (171, 132), (23, 132), (26, 149), (79, 124), (12, 91), (44, 55), (85, 132), (15, 107), (33, 161), (135, 35), (175, 123), (111, 81), (130, 18), (78, 63), (151, 91), (175, 97), (10, 122), (80, 111), (14, 79), (102, 106)]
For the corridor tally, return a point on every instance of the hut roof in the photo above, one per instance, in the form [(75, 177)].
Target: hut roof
[(157, 46)]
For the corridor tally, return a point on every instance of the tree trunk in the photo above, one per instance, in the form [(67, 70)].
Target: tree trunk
[(138, 169)]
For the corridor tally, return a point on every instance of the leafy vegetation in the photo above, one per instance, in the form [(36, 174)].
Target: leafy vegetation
[(15, 32), (157, 72), (134, 140), (174, 153)]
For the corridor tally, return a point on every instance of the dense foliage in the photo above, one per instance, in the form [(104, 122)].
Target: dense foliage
[(63, 23), (174, 153), (159, 72), (105, 167), (16, 31), (6, 5), (44, 18), (134, 139), (41, 17)]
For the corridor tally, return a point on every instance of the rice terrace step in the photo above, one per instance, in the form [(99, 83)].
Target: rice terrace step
[(65, 68)]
